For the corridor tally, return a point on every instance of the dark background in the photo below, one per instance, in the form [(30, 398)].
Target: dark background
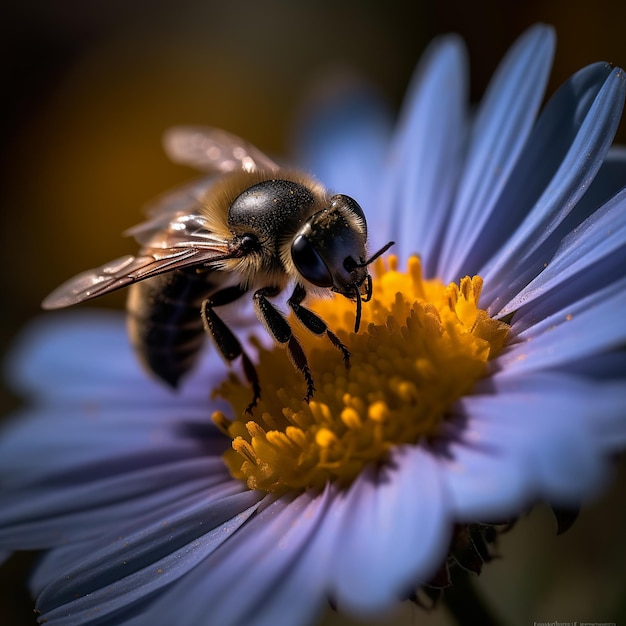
[(88, 88)]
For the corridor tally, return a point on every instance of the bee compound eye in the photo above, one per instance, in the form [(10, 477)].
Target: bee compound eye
[(309, 262)]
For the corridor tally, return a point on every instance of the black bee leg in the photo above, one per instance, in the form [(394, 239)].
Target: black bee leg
[(278, 327), (224, 338), (314, 322)]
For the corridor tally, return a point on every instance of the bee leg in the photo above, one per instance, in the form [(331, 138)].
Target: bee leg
[(278, 327), (315, 323), (224, 338)]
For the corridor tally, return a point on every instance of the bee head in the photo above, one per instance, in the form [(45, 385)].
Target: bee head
[(329, 251)]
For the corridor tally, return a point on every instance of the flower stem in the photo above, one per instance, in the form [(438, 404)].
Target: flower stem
[(467, 605)]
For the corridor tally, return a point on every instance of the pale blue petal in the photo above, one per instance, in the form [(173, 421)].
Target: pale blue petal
[(585, 114), (140, 565), (308, 570), (80, 554), (599, 242), (529, 438), (539, 318), (426, 155), (69, 355), (590, 330), (505, 118), (63, 510), (559, 422), (56, 560), (40, 445), (394, 532), (610, 179), (245, 572), (483, 483), (608, 183)]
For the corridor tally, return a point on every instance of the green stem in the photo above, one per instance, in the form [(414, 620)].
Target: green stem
[(465, 603)]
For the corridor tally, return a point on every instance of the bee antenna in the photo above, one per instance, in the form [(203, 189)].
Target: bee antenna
[(376, 255), (368, 289)]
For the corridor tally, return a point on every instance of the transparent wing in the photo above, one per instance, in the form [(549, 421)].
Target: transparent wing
[(214, 150), (178, 230), (130, 269)]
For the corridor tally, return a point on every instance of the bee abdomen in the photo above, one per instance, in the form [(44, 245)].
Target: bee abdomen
[(164, 322)]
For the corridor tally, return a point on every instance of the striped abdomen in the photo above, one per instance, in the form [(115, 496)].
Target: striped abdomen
[(164, 322)]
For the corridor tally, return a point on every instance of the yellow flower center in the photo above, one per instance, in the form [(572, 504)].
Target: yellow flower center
[(422, 345)]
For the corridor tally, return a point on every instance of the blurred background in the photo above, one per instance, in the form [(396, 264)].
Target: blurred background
[(89, 88)]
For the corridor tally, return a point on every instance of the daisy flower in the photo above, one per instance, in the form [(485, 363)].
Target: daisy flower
[(488, 375)]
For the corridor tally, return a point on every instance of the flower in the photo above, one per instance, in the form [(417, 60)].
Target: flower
[(486, 377)]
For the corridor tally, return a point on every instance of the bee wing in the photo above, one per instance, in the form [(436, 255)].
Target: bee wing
[(181, 229), (214, 150), (168, 243), (130, 269)]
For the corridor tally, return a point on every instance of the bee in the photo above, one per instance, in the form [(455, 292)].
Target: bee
[(254, 228)]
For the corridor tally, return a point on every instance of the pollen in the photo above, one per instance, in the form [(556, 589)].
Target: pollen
[(422, 345)]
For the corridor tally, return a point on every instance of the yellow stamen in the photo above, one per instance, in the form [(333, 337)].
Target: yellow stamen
[(422, 346)]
